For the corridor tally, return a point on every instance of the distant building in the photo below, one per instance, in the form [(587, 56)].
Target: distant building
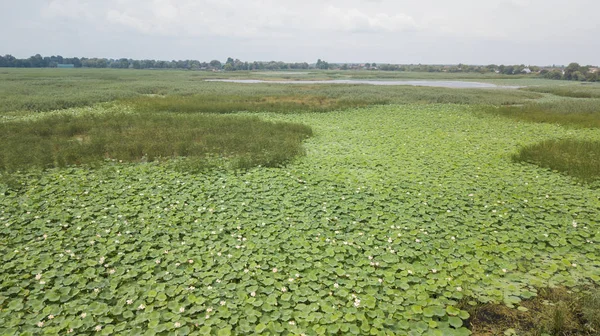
[(593, 70), (65, 66), (526, 70)]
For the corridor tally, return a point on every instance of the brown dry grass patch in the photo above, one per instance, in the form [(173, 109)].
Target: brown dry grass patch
[(555, 311)]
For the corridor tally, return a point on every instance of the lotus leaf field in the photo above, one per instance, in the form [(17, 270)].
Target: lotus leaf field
[(397, 217)]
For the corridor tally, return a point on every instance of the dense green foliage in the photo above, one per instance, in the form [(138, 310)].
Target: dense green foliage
[(580, 158), (396, 215), (574, 72), (65, 139)]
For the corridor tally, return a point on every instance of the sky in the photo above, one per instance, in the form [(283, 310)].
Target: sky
[(530, 32)]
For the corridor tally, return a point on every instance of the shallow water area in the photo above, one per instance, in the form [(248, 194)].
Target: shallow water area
[(446, 84)]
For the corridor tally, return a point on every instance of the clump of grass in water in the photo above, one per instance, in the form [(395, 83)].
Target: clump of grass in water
[(64, 140), (213, 103), (578, 158), (578, 114), (581, 91)]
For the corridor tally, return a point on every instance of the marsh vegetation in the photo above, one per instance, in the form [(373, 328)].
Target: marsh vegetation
[(164, 204)]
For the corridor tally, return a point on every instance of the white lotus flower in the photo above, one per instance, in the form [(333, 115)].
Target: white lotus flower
[(38, 276), (129, 302), (83, 315), (98, 328), (141, 307), (177, 324), (40, 324)]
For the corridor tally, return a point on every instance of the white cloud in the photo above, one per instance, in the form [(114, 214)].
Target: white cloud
[(355, 20), (127, 20), (70, 9), (371, 30)]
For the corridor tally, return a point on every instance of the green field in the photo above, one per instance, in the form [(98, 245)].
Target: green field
[(390, 211)]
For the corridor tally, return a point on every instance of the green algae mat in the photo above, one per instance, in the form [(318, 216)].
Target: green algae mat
[(395, 215)]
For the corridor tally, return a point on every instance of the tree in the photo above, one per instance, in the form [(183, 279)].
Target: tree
[(570, 70), (215, 64)]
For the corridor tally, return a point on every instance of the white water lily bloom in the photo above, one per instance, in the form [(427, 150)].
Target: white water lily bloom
[(574, 224), (209, 309), (38, 276), (409, 272), (181, 310), (98, 328), (380, 280), (190, 261), (292, 323), (40, 324), (291, 279), (283, 289), (459, 289), (275, 270), (336, 285), (177, 324), (83, 315), (141, 307), (129, 302), (223, 303), (504, 270), (253, 294), (574, 265), (112, 271), (157, 261), (50, 317), (433, 270)]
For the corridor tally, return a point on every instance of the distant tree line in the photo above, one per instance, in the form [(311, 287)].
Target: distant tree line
[(575, 72), (572, 72), (38, 61)]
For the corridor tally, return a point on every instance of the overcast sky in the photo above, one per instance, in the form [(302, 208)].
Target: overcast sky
[(540, 32)]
